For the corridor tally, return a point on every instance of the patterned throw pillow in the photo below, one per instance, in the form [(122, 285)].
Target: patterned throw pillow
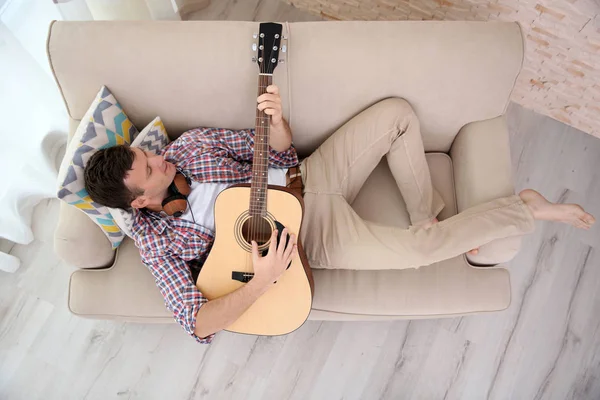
[(153, 139), (104, 125)]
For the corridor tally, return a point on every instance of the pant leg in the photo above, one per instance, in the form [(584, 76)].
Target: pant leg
[(345, 160), (337, 238)]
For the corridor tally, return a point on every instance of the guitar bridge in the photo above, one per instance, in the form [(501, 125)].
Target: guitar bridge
[(242, 276)]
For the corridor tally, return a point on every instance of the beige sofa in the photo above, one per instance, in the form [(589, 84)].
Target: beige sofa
[(457, 75)]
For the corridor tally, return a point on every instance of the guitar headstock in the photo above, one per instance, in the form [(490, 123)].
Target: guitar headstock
[(268, 47)]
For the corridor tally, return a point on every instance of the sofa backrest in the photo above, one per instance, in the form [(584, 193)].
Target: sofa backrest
[(200, 73)]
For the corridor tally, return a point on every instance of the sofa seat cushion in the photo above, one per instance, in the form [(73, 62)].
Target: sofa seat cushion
[(127, 290)]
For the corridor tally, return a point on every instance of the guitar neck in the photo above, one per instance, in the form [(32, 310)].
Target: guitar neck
[(260, 164)]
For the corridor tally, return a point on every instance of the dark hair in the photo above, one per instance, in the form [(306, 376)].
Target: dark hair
[(104, 177)]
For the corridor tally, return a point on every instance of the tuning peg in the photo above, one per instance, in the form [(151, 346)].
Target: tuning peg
[(283, 48), (255, 35), (284, 37), (253, 59), (253, 46), (281, 61)]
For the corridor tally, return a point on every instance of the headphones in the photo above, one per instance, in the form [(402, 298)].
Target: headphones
[(176, 202)]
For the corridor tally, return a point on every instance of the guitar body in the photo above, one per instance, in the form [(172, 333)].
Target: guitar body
[(286, 305)]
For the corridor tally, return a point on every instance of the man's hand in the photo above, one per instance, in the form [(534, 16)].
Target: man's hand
[(269, 268), (220, 313), (281, 135), (270, 103)]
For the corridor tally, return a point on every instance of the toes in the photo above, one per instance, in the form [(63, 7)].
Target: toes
[(585, 223), (581, 224), (587, 220)]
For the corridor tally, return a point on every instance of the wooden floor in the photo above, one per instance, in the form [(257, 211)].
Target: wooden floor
[(545, 346)]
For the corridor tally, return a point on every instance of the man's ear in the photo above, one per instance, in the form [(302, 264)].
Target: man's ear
[(140, 202)]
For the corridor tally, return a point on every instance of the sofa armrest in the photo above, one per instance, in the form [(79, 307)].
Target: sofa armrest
[(483, 172), (79, 241)]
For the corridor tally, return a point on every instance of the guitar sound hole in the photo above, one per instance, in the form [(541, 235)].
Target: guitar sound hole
[(257, 229)]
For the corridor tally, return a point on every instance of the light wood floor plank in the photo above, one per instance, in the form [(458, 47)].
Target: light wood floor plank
[(545, 346)]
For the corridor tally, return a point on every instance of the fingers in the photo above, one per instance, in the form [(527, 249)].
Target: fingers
[(290, 250), (254, 252), (269, 97), (281, 247), (273, 244), (293, 254), (269, 105)]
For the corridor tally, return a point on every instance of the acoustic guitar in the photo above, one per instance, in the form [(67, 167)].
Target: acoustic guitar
[(248, 212)]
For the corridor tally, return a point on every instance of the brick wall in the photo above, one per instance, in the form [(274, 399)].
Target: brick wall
[(561, 73)]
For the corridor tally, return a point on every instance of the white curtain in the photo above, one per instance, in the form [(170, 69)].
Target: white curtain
[(33, 121)]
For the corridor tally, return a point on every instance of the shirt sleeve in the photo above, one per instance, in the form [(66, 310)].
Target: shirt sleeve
[(209, 152), (182, 297)]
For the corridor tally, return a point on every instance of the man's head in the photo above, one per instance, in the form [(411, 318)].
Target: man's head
[(124, 177)]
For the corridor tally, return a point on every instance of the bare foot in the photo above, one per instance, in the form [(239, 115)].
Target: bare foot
[(542, 209)]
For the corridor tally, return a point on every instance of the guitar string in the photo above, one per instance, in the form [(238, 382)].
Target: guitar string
[(256, 228), (258, 202), (268, 78), (251, 222), (263, 81), (256, 220), (255, 168)]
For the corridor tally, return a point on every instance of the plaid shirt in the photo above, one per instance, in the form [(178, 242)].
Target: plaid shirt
[(170, 246)]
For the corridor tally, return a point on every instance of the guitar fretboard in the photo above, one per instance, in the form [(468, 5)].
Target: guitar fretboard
[(260, 165)]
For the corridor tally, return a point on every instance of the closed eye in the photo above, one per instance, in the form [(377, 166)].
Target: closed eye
[(148, 168)]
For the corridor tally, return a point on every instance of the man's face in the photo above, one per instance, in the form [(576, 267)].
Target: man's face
[(151, 174)]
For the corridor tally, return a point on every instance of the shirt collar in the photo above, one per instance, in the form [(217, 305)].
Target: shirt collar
[(159, 221)]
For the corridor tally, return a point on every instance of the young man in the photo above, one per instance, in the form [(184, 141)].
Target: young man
[(173, 247)]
